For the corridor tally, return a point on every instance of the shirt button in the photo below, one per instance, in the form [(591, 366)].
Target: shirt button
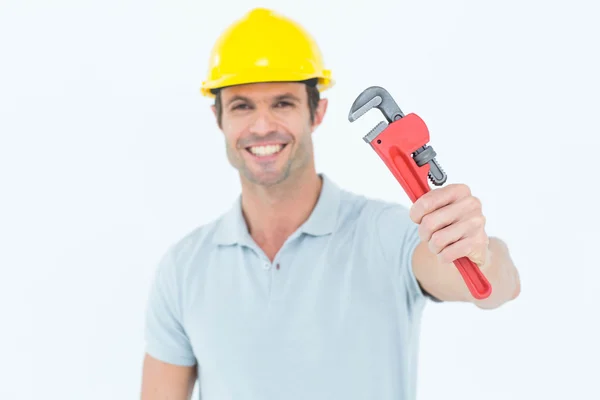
[(266, 265)]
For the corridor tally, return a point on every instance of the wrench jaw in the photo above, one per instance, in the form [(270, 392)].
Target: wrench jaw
[(375, 97), (361, 106), (373, 133)]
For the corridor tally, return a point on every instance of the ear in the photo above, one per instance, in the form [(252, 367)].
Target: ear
[(214, 111), (320, 112)]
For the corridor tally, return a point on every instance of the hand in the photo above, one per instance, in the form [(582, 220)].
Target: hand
[(452, 224)]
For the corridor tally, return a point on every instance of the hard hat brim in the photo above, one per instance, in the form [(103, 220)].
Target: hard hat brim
[(263, 75)]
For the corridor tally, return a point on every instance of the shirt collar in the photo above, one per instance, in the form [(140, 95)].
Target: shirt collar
[(232, 228)]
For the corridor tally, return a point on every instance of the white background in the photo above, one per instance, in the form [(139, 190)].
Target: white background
[(108, 154)]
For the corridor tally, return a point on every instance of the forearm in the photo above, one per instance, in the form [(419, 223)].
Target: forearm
[(163, 381)]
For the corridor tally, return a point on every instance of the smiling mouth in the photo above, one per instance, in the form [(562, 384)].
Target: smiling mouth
[(265, 151)]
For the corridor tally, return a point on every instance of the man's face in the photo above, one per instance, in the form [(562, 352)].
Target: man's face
[(268, 130)]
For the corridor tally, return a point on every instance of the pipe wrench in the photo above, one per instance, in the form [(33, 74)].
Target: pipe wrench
[(401, 143)]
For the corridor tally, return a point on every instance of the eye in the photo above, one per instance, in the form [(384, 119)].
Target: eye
[(240, 106), (284, 104)]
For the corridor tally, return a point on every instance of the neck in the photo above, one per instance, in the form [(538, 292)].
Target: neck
[(274, 213)]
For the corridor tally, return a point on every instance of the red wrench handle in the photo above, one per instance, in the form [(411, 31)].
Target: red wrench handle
[(477, 283), (395, 146)]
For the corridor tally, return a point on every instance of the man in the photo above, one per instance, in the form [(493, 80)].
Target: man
[(303, 290)]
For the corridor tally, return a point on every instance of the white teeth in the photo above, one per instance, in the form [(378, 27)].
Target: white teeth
[(266, 150)]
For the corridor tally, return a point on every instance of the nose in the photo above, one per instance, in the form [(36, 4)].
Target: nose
[(263, 123)]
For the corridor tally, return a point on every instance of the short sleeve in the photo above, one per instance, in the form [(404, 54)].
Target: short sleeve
[(399, 237), (165, 337)]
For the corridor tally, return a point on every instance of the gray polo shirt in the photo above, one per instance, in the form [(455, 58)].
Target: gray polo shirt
[(336, 315)]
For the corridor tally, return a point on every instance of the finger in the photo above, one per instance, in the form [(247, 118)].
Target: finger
[(437, 198), (456, 250), (447, 215), (465, 228), (472, 247)]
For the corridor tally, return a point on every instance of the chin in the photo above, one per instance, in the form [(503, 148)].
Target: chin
[(266, 178)]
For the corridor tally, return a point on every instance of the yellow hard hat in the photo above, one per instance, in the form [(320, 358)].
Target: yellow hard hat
[(265, 46)]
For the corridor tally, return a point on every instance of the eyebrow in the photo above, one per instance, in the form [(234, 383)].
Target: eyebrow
[(236, 98), (286, 96)]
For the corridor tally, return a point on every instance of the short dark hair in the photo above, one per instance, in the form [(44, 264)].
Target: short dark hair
[(311, 90)]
